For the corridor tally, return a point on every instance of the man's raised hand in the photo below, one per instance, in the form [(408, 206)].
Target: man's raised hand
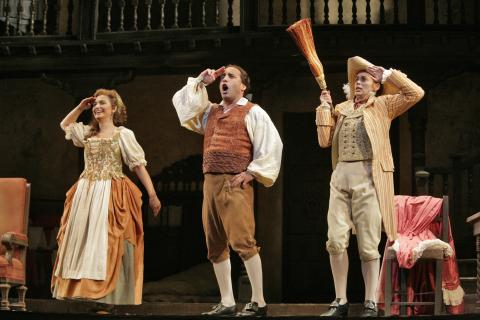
[(326, 97), (376, 73), (209, 75)]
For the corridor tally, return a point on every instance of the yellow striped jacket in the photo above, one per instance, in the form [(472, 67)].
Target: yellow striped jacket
[(378, 115)]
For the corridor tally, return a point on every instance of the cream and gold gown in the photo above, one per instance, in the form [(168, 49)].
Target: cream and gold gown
[(100, 241)]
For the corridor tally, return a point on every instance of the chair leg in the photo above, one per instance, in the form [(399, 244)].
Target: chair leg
[(21, 291), (388, 287), (403, 290), (438, 287), (4, 304)]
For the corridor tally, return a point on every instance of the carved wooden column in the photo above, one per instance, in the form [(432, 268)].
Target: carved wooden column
[(475, 221), (248, 15), (422, 183), (417, 117), (459, 191), (416, 12), (88, 22)]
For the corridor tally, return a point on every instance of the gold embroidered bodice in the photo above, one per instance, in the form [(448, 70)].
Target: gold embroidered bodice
[(103, 158)]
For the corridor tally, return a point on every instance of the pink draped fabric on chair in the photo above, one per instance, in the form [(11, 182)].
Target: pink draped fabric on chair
[(419, 230)]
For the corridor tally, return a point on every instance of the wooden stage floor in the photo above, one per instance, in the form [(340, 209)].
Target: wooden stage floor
[(52, 309)]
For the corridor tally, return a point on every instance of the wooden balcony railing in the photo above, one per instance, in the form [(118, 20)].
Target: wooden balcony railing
[(87, 18), (461, 182), (283, 12)]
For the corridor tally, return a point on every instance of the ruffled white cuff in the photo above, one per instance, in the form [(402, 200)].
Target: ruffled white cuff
[(453, 297), (386, 74), (196, 80), (68, 131), (132, 165), (346, 90)]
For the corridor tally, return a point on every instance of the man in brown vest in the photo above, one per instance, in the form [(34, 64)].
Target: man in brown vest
[(361, 188), (240, 144)]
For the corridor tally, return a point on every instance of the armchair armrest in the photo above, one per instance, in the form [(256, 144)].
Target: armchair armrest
[(14, 238), (11, 240)]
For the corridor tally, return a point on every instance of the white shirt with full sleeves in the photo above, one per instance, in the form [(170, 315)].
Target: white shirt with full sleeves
[(192, 106)]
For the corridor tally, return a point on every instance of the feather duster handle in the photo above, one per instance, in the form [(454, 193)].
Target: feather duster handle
[(321, 82)]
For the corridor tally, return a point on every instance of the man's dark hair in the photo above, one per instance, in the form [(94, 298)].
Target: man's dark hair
[(243, 76)]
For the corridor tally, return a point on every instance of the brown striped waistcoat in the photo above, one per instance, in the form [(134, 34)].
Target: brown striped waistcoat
[(226, 146)]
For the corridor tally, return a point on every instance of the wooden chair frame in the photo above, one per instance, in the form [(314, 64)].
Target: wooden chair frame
[(13, 244), (436, 254)]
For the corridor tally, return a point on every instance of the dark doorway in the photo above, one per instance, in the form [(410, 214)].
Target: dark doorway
[(307, 169)]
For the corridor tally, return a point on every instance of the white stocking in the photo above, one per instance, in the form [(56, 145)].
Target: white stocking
[(223, 272), (254, 271), (370, 271), (339, 265)]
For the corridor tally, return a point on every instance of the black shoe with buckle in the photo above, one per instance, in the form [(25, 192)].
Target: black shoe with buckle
[(221, 310), (252, 309), (369, 309), (336, 309)]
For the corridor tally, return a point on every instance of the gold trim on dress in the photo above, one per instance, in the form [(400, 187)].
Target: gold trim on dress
[(103, 158)]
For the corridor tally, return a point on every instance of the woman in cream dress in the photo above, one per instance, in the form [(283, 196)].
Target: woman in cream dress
[(100, 241)]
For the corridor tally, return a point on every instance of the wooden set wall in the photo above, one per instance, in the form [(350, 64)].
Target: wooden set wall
[(33, 146), (435, 42)]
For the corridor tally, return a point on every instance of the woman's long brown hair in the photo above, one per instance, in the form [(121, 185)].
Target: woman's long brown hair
[(120, 114)]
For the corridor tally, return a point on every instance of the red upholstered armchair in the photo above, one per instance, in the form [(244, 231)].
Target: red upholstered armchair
[(14, 209)]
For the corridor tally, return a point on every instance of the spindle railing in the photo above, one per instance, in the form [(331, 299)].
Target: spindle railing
[(324, 12), (35, 18), (461, 182)]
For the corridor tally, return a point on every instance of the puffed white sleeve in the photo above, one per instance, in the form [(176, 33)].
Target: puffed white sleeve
[(77, 131), (132, 153), (267, 146), (192, 105)]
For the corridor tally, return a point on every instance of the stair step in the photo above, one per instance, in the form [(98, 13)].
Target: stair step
[(470, 303), (469, 284), (467, 267)]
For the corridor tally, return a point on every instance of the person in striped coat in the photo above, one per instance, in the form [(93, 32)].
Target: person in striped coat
[(361, 186)]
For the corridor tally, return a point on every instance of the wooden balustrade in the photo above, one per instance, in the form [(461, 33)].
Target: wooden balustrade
[(367, 11), (461, 181), (29, 18)]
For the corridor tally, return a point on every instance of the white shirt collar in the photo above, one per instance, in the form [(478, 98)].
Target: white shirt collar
[(241, 102)]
